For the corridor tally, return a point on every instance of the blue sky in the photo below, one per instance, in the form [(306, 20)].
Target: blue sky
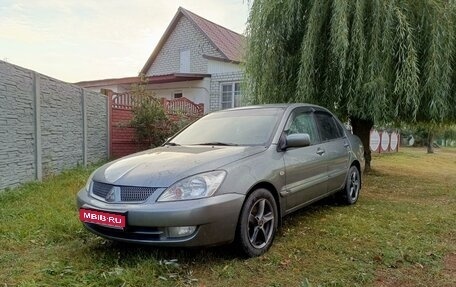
[(82, 40)]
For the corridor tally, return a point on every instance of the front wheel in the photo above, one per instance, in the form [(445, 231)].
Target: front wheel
[(350, 193), (257, 223)]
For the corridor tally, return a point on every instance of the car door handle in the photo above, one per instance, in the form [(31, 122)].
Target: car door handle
[(346, 144), (320, 151)]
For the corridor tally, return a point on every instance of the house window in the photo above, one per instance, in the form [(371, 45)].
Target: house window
[(231, 95), (177, 94)]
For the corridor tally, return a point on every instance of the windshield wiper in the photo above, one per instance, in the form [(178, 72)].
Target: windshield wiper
[(218, 143), (172, 144)]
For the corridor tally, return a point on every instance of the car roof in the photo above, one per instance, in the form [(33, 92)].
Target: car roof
[(278, 106)]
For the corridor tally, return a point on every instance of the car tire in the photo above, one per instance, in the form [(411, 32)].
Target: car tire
[(258, 223), (350, 193)]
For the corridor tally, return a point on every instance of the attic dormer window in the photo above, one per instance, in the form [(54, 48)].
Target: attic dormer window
[(185, 61)]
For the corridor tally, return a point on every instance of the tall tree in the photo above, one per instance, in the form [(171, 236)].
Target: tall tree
[(371, 61)]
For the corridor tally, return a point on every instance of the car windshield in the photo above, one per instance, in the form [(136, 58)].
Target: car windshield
[(231, 128)]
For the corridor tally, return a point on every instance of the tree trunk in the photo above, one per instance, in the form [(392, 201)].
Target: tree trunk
[(362, 129), (430, 142)]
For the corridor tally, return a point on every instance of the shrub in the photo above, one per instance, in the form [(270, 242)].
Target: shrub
[(151, 122)]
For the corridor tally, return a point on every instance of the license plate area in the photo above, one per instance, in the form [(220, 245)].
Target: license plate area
[(115, 220)]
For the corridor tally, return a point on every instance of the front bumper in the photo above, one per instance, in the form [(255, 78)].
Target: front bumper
[(215, 217)]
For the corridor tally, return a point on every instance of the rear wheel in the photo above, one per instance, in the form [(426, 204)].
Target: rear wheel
[(258, 223), (350, 193)]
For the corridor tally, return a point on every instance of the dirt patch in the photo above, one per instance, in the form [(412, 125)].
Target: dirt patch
[(449, 269), (416, 275), (401, 277), (449, 263)]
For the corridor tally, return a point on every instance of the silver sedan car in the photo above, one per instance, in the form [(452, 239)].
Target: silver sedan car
[(230, 176)]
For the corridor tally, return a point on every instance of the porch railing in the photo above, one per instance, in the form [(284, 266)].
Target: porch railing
[(182, 105)]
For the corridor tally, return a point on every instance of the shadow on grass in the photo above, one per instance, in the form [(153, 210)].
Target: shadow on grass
[(322, 206), (129, 253)]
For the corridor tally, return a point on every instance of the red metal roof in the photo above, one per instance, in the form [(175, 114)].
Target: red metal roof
[(230, 44)]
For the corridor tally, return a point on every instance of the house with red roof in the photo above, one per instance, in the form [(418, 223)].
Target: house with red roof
[(195, 58)]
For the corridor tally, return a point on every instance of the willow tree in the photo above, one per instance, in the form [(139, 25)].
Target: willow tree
[(370, 61)]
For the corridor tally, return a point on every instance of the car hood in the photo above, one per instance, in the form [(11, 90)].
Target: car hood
[(163, 166)]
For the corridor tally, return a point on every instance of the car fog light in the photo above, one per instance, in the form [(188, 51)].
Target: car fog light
[(180, 231)]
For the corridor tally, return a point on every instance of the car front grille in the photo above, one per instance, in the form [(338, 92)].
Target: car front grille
[(127, 193)]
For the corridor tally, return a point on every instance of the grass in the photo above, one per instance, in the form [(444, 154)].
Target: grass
[(400, 233)]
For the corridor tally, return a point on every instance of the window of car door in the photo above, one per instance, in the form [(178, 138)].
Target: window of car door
[(329, 129), (302, 122)]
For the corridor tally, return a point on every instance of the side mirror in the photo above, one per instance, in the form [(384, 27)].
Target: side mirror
[(297, 140)]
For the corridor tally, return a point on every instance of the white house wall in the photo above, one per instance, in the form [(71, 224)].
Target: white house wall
[(196, 91), (184, 36), (217, 67)]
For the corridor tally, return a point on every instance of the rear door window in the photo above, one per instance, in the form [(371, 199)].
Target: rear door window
[(328, 127)]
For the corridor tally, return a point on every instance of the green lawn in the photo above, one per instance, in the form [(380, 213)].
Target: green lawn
[(402, 232)]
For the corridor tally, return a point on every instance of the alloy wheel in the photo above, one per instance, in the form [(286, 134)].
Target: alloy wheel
[(354, 184), (261, 223)]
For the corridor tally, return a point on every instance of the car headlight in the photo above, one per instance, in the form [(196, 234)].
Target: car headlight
[(88, 185), (194, 187)]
